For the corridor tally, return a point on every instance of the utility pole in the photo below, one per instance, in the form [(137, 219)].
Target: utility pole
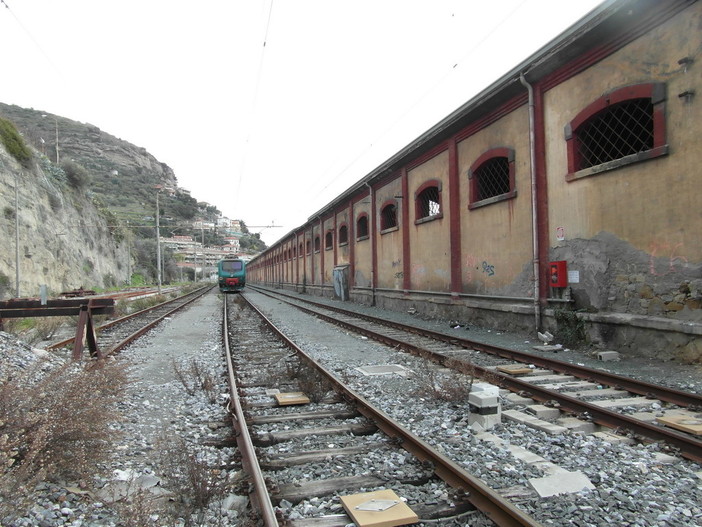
[(158, 241), (17, 251)]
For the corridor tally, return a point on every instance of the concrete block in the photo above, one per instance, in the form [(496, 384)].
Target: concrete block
[(635, 402), (480, 422), (577, 425), (613, 438), (528, 420), (551, 378), (607, 355), (561, 483), (543, 412), (485, 387), (516, 399), (482, 399)]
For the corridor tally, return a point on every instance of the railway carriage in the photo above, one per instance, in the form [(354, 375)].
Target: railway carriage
[(231, 275)]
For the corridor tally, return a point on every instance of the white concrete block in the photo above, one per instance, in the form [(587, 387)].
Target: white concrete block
[(607, 355), (561, 483)]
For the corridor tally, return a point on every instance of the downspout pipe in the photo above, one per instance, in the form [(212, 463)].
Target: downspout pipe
[(534, 220), (371, 232)]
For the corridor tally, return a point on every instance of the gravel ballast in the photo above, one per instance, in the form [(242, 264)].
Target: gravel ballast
[(634, 485)]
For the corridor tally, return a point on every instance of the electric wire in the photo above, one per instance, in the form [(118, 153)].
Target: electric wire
[(31, 37), (423, 96), (254, 103)]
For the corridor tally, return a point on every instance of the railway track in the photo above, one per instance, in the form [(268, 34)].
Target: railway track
[(334, 442), (114, 335), (594, 395)]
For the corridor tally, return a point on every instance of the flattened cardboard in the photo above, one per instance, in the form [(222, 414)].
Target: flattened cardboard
[(399, 514), (691, 425), (285, 399)]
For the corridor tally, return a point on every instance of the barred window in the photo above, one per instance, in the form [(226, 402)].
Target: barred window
[(362, 226), (328, 240), (316, 244), (622, 127), (388, 216), (428, 201), (343, 235), (309, 247), (492, 177)]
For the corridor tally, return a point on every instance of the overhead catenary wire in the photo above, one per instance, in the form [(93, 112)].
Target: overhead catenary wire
[(254, 103), (422, 97), (31, 37)]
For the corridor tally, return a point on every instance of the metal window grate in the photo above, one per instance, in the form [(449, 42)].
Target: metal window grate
[(428, 202), (328, 241), (621, 130), (388, 217), (343, 234), (493, 178)]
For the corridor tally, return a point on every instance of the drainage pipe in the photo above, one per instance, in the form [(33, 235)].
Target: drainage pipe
[(534, 220), (371, 233)]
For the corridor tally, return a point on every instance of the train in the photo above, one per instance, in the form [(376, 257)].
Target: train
[(231, 275)]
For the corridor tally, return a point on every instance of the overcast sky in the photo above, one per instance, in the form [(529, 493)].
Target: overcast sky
[(267, 133)]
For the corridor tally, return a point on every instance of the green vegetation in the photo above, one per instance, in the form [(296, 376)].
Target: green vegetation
[(14, 143), (76, 174), (570, 328)]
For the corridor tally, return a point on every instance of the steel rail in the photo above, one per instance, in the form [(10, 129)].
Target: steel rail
[(500, 511), (195, 295), (243, 439), (662, 393), (690, 447)]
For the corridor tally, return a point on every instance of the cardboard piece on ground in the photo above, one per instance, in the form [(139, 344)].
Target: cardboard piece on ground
[(360, 508), (515, 369), (285, 399), (691, 425)]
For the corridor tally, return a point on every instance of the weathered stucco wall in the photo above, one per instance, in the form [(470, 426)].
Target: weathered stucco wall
[(429, 251), (632, 234), (497, 238)]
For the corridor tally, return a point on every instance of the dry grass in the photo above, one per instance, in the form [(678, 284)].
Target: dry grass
[(448, 386), (188, 477), (56, 426), (196, 377)]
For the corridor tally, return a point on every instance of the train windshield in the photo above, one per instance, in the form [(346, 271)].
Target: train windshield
[(232, 265)]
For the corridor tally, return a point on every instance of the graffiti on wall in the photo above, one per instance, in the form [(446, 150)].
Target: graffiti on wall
[(670, 254), (473, 264)]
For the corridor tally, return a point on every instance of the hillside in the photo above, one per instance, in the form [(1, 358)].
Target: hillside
[(113, 176)]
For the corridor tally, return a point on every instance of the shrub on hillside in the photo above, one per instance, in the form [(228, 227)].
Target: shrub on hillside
[(14, 143), (76, 174)]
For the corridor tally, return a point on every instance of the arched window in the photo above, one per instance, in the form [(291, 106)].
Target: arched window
[(388, 216), (492, 177), (316, 244), (328, 240), (343, 235), (309, 247), (620, 128), (427, 202), (362, 227)]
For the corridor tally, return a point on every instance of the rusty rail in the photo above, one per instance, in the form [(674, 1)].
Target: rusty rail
[(83, 308)]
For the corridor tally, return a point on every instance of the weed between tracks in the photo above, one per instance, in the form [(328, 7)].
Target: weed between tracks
[(311, 382), (197, 376), (55, 425)]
